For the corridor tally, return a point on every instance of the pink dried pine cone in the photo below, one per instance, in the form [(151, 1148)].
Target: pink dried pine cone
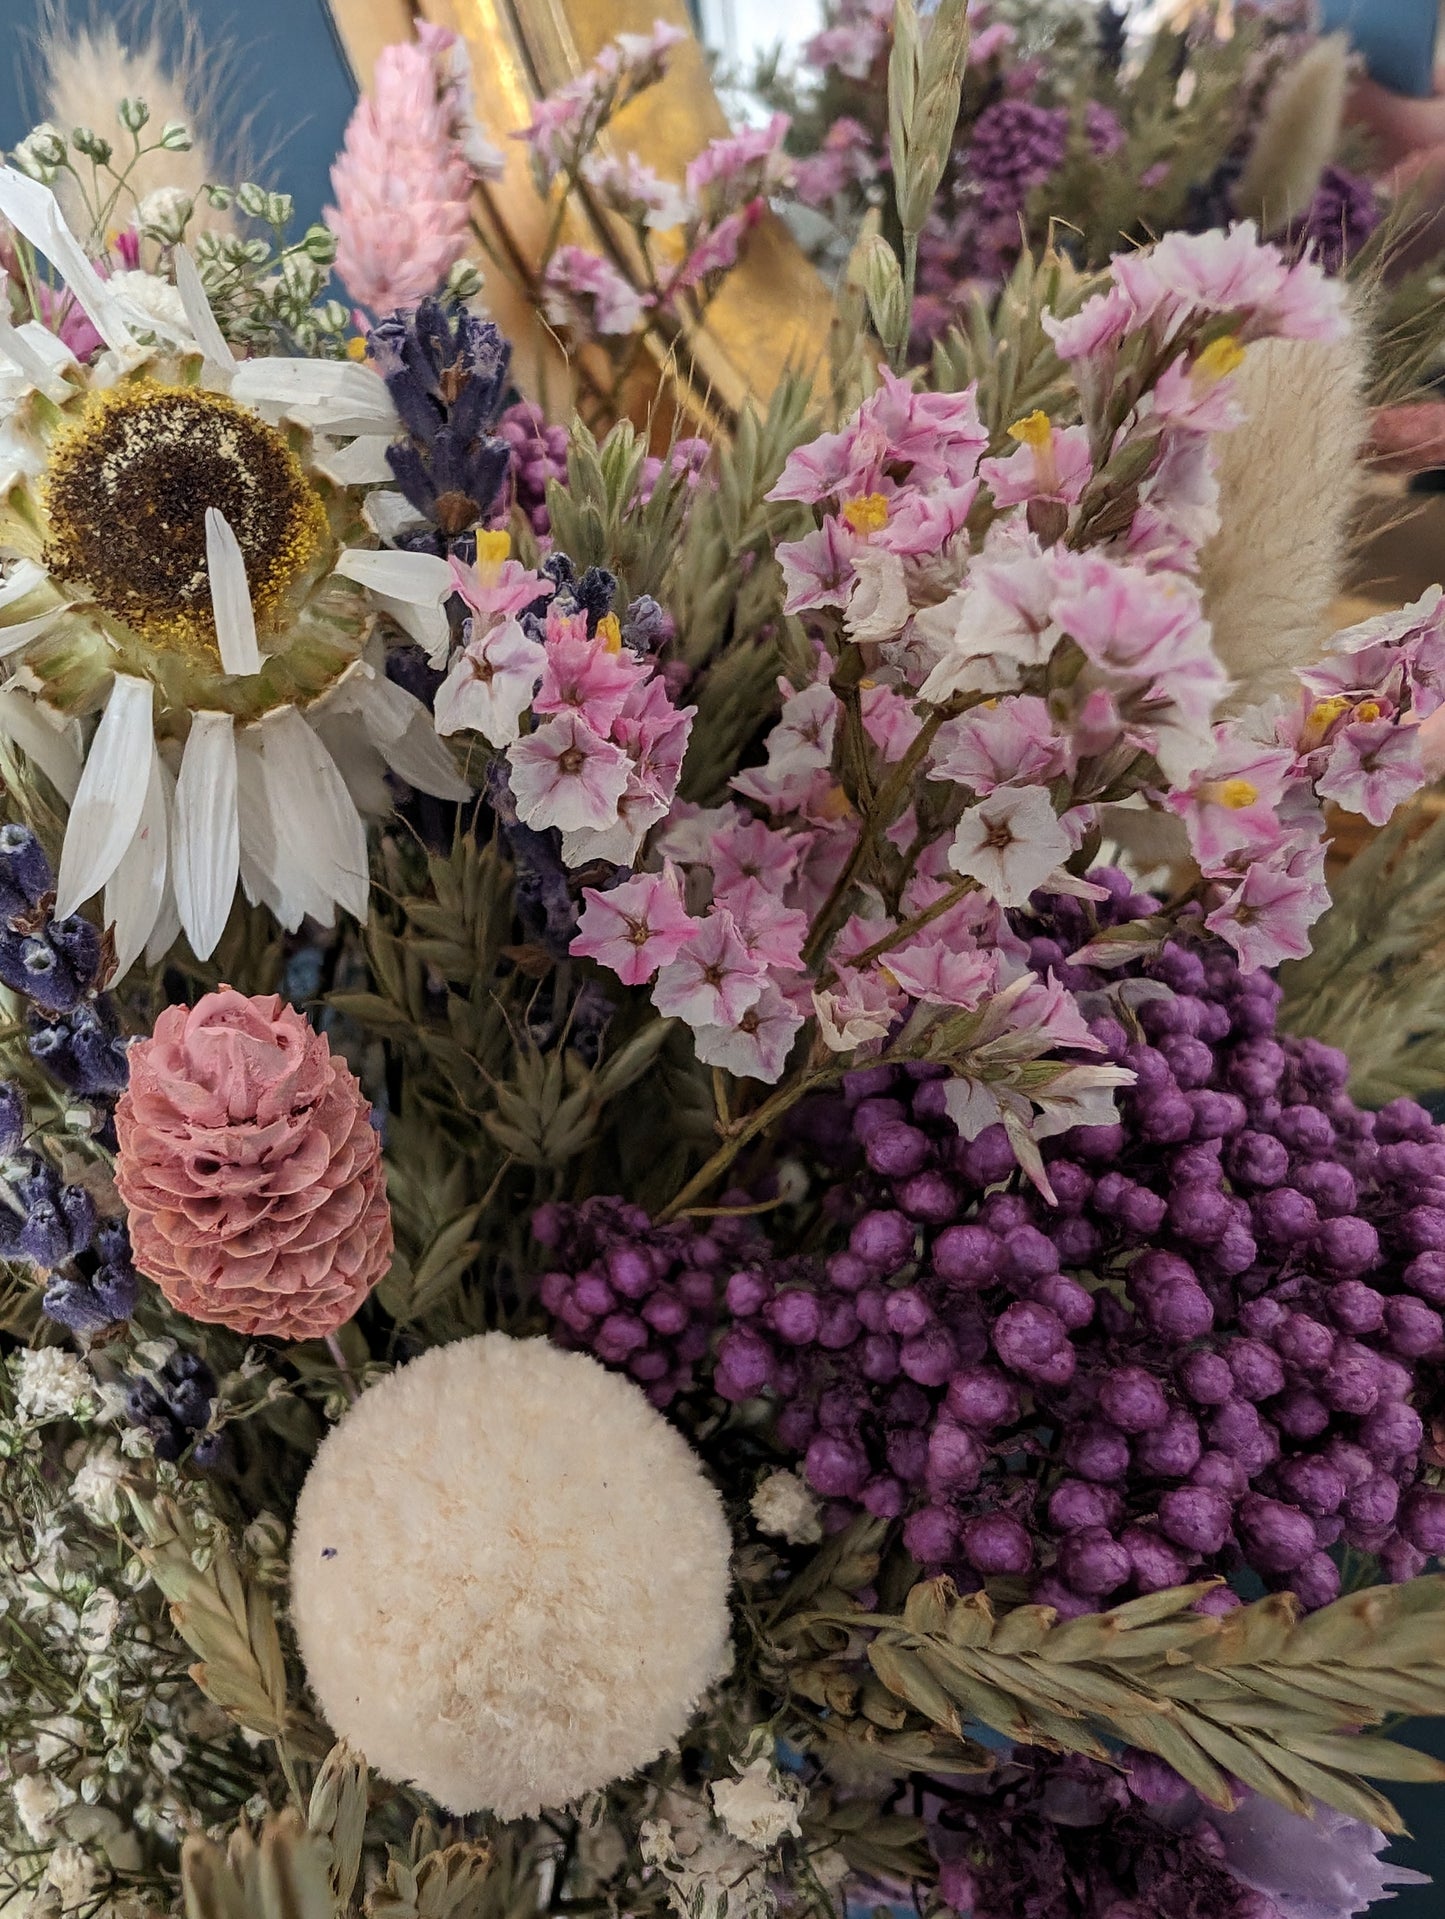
[(250, 1169)]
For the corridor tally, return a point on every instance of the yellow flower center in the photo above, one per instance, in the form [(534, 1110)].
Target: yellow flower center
[(1036, 429), (1368, 710), (1218, 360), (125, 499), (356, 349), (609, 631), (1237, 794), (492, 550), (867, 514)]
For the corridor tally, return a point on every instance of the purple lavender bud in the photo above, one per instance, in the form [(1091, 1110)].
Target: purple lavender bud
[(795, 1317), (1173, 1450), (955, 1459), (1316, 1582), (78, 943), (837, 1468), (1422, 1520), (996, 1545), (1277, 1538), (931, 1535), (1134, 1400), (1075, 1503), (1414, 1329), (34, 968), (1196, 1517), (1223, 1472), (1073, 1303), (1346, 1246), (1206, 1378), (1313, 1485), (13, 1117), (968, 1256), (77, 1209), (1301, 1414), (1258, 1159), (1092, 1562), (929, 1357), (1097, 1451), (1393, 1431), (883, 1241), (1283, 1218), (1155, 1564), (983, 1398), (1304, 1344), (895, 1150), (23, 865), (1034, 1342), (1371, 1506), (1199, 1213), (1256, 1369)]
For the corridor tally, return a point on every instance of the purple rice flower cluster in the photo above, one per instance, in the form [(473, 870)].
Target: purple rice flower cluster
[(1213, 1352), (641, 1298), (1344, 213), (538, 456), (447, 374)]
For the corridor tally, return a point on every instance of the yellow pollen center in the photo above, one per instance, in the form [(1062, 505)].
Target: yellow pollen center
[(1035, 429), (609, 631), (492, 550), (1218, 360), (356, 349), (1368, 710), (1237, 794), (867, 514)]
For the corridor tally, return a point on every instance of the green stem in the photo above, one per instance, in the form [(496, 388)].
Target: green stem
[(757, 1122)]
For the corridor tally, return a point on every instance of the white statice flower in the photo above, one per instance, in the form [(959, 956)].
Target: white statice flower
[(709, 1873), (73, 1874), (99, 1618), (784, 1506), (758, 1807), (38, 1798), (189, 594), (51, 1383), (100, 1475)]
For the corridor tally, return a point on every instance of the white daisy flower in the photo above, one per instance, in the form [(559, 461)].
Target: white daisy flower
[(190, 589)]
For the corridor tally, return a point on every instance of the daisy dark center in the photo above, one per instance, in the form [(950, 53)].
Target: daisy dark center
[(126, 497)]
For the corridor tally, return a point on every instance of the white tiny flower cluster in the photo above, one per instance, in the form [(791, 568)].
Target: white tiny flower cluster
[(709, 1874)]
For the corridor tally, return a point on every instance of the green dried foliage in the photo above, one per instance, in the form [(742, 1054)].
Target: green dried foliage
[(336, 1816), (1260, 1695), (1002, 344), (1374, 984), (446, 1884), (598, 518), (282, 1874)]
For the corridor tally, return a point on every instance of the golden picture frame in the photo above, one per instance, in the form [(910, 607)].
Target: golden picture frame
[(773, 311)]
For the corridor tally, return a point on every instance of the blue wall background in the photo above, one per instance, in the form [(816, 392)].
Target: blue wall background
[(298, 85)]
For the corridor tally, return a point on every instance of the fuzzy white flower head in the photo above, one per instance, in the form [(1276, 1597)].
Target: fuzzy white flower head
[(96, 1488), (52, 1384), (757, 1808), (785, 1507), (509, 1577)]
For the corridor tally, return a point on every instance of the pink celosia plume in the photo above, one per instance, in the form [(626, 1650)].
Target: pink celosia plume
[(250, 1171), (403, 184)]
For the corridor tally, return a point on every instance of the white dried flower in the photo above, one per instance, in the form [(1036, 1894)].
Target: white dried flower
[(165, 210), (98, 1620), (99, 1476), (73, 1874), (38, 1798), (756, 1807), (52, 1384), (785, 1507), (709, 1874), (509, 1577)]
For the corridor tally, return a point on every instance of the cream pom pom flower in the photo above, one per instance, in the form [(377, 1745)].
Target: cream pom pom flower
[(509, 1577)]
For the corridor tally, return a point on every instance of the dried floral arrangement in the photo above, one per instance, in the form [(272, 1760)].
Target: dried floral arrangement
[(667, 1245)]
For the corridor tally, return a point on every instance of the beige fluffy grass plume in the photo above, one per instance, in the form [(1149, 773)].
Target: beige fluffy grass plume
[(1289, 484), (509, 1576), (89, 65), (1299, 132)]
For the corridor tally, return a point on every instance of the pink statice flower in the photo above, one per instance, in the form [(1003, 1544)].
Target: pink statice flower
[(403, 185), (636, 927), (999, 622), (989, 42), (739, 167), (584, 674), (845, 158), (566, 123), (565, 774), (1266, 917), (1396, 659), (889, 720), (1098, 328), (744, 849), (1011, 843), (716, 248), (818, 569), (756, 1045), (1186, 274), (859, 1009), (586, 294), (714, 979), (454, 73), (1191, 393), (496, 590), (1010, 741), (629, 187), (922, 523), (1232, 806), (932, 970), (772, 932), (1052, 463), (490, 683), (854, 39), (1372, 768)]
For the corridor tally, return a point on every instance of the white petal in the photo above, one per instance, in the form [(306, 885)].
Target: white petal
[(41, 367), (421, 579), (313, 826), (208, 845), (330, 396), (13, 638), (390, 514), (268, 873), (405, 735), (362, 463), (53, 749), (111, 794), (427, 625), (202, 321), (137, 887), (24, 578), (35, 212), (230, 597)]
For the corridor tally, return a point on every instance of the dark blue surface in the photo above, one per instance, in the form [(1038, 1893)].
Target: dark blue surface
[(1397, 38), (294, 79)]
